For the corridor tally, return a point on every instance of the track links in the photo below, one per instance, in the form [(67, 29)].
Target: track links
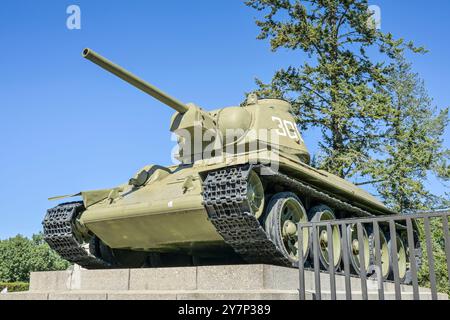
[(225, 199), (59, 234)]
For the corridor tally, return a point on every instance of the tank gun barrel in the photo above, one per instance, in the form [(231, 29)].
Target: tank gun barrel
[(135, 81)]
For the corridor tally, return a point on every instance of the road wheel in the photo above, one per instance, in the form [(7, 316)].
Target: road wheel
[(284, 212), (319, 214), (384, 254), (354, 248), (400, 255)]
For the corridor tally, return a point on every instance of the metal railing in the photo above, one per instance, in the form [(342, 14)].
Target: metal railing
[(409, 226)]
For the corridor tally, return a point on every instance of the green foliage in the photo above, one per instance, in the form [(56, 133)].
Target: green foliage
[(14, 286), (19, 256), (340, 89), (412, 145), (438, 246)]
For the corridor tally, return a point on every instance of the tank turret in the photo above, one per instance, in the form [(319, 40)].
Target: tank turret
[(203, 135), (242, 127)]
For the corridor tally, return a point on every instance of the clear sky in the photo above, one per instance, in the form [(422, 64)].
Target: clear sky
[(67, 126)]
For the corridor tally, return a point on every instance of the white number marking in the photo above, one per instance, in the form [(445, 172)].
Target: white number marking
[(281, 129), (287, 128)]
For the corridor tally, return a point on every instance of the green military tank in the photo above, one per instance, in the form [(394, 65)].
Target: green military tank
[(236, 197)]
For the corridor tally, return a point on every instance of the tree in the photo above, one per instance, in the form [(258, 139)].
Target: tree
[(412, 148), (340, 89), (19, 256)]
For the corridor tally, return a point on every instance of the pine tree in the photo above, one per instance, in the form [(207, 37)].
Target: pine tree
[(412, 148), (340, 88)]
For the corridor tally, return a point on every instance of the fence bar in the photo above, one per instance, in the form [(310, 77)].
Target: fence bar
[(426, 222), (331, 262), (412, 259), (447, 244), (394, 258), (348, 287), (396, 218), (316, 263), (362, 263), (301, 265), (379, 267)]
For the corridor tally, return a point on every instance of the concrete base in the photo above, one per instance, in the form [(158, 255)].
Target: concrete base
[(239, 282)]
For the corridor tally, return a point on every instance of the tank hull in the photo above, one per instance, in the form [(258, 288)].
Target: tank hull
[(168, 215), (163, 216)]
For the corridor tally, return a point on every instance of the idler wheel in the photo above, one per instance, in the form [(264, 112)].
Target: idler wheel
[(284, 213)]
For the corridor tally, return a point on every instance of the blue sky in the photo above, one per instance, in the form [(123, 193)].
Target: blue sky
[(67, 126)]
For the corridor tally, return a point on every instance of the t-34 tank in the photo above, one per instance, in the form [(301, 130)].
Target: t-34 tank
[(242, 185)]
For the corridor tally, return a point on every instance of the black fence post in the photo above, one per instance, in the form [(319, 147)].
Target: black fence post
[(301, 265), (412, 259), (345, 246), (426, 223), (331, 261), (362, 266), (378, 264), (316, 253)]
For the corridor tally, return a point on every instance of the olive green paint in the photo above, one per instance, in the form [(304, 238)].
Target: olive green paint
[(160, 209)]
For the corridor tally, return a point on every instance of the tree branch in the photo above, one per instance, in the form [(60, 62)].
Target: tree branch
[(369, 182)]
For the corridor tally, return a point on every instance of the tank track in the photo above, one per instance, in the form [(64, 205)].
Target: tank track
[(225, 199), (59, 234)]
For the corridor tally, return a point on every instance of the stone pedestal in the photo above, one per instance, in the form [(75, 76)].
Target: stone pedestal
[(237, 282)]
